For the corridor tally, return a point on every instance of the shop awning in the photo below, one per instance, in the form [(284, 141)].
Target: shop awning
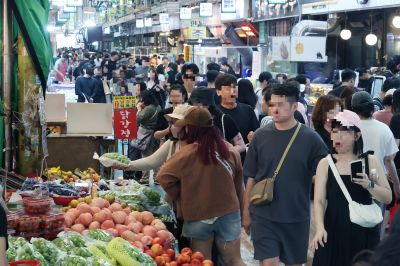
[(218, 31), (32, 17)]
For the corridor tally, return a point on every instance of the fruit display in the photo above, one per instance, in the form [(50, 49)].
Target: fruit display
[(28, 222), (51, 234), (98, 234), (117, 158), (77, 239), (73, 261), (127, 255), (29, 235), (29, 252), (37, 205), (49, 251), (11, 254), (82, 252), (52, 219), (29, 184), (12, 218), (317, 90), (96, 261), (64, 245)]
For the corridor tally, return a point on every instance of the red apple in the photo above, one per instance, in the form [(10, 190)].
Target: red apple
[(186, 264), (145, 247), (207, 263), (171, 253), (157, 240), (167, 258), (160, 261), (187, 251), (174, 263), (151, 254), (157, 248), (183, 258), (195, 263), (198, 256)]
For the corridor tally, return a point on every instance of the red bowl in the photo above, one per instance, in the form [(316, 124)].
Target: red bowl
[(64, 200), (25, 263)]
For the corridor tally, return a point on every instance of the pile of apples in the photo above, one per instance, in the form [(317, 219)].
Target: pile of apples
[(130, 225), (167, 257)]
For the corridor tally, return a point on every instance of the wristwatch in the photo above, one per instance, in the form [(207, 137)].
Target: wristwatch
[(371, 186)]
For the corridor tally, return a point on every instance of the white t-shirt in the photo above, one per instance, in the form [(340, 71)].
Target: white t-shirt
[(161, 77), (260, 99), (97, 62), (378, 137)]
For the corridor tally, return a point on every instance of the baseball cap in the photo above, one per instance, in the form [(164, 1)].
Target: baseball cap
[(348, 119), (179, 112), (202, 95), (196, 116), (361, 98), (86, 65), (65, 56), (124, 60), (390, 92)]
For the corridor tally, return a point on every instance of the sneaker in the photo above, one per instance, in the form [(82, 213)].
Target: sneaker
[(156, 182), (144, 182)]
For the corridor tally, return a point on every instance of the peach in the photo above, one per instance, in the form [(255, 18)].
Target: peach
[(146, 240), (102, 216), (71, 215), (115, 207), (80, 204), (141, 225), (68, 222), (77, 221), (85, 218), (155, 221), (113, 232), (107, 224), (128, 236), (67, 229), (160, 226), (130, 219), (121, 229), (74, 211), (147, 217), (119, 217), (170, 237), (95, 210), (137, 215), (149, 231), (84, 209), (127, 211), (94, 225), (98, 202), (163, 235), (106, 204), (78, 228), (140, 235), (134, 227)]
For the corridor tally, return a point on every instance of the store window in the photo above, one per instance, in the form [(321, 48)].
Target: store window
[(392, 37)]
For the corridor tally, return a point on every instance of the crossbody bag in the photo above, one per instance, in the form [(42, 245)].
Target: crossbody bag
[(363, 215), (263, 191), (143, 139)]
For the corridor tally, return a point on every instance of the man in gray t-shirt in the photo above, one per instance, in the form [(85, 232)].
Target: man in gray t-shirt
[(141, 71), (60, 67), (280, 229)]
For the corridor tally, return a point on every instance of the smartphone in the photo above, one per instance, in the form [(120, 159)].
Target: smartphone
[(356, 167)]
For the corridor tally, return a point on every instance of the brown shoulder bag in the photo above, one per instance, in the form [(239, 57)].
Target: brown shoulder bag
[(263, 191)]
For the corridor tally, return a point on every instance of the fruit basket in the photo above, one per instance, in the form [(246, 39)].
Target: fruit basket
[(29, 235), (25, 263), (37, 205), (12, 218), (28, 223), (51, 234), (65, 200), (52, 219)]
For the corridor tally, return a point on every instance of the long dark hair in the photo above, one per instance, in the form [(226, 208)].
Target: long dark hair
[(358, 144), (148, 98), (246, 93), (208, 138), (396, 102), (155, 76)]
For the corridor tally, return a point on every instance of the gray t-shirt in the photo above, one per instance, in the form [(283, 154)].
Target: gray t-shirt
[(292, 186), (58, 65), (142, 70)]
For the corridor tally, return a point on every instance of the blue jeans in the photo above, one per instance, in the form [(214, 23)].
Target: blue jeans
[(245, 178)]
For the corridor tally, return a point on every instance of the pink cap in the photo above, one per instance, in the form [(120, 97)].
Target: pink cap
[(348, 119)]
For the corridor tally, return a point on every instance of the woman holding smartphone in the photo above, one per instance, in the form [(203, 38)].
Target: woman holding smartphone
[(338, 240)]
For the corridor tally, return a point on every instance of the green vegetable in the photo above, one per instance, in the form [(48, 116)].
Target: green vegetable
[(61, 244), (73, 261), (100, 234), (47, 249), (118, 157), (11, 254), (76, 239)]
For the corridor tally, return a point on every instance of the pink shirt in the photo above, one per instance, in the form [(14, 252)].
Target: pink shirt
[(383, 116), (302, 110)]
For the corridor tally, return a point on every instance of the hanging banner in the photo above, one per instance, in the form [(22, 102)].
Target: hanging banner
[(228, 6), (186, 53), (164, 18), (205, 10), (195, 30), (308, 49), (125, 124), (185, 13), (148, 22), (74, 3), (281, 48), (261, 28), (155, 20), (139, 23)]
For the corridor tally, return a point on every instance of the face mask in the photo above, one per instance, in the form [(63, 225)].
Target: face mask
[(175, 131), (136, 65)]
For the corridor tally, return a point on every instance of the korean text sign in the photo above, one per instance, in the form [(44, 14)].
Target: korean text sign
[(125, 123)]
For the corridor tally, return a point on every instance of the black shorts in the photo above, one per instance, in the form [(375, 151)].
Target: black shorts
[(288, 241)]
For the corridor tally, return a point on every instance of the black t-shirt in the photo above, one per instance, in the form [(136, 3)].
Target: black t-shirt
[(217, 99), (337, 91), (246, 120), (111, 65), (77, 69), (395, 128), (3, 224), (229, 126), (162, 122), (387, 74)]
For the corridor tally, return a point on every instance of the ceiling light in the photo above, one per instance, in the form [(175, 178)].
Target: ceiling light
[(371, 38), (246, 28), (345, 34), (396, 22)]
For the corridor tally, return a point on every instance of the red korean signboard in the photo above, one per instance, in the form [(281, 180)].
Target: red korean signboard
[(125, 123)]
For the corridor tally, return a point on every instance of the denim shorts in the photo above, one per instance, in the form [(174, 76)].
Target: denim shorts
[(225, 228)]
